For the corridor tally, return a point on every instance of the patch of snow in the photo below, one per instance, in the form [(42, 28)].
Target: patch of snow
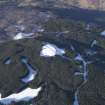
[(38, 28), (72, 48), (78, 57), (59, 51), (103, 33), (23, 35), (0, 95), (7, 61), (78, 73), (25, 95), (93, 43), (31, 72), (76, 98), (20, 27), (85, 72), (87, 27), (18, 36), (29, 77), (50, 50)]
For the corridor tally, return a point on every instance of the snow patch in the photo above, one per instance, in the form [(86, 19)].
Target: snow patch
[(20, 27), (103, 33), (7, 61), (72, 48), (50, 50), (78, 57), (31, 72), (29, 77), (25, 95), (76, 98), (85, 72), (23, 35), (93, 43)]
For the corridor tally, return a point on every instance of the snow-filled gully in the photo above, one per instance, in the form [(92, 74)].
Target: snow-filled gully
[(31, 72), (7, 61), (25, 95)]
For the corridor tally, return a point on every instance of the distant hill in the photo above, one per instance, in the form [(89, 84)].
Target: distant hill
[(89, 4)]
